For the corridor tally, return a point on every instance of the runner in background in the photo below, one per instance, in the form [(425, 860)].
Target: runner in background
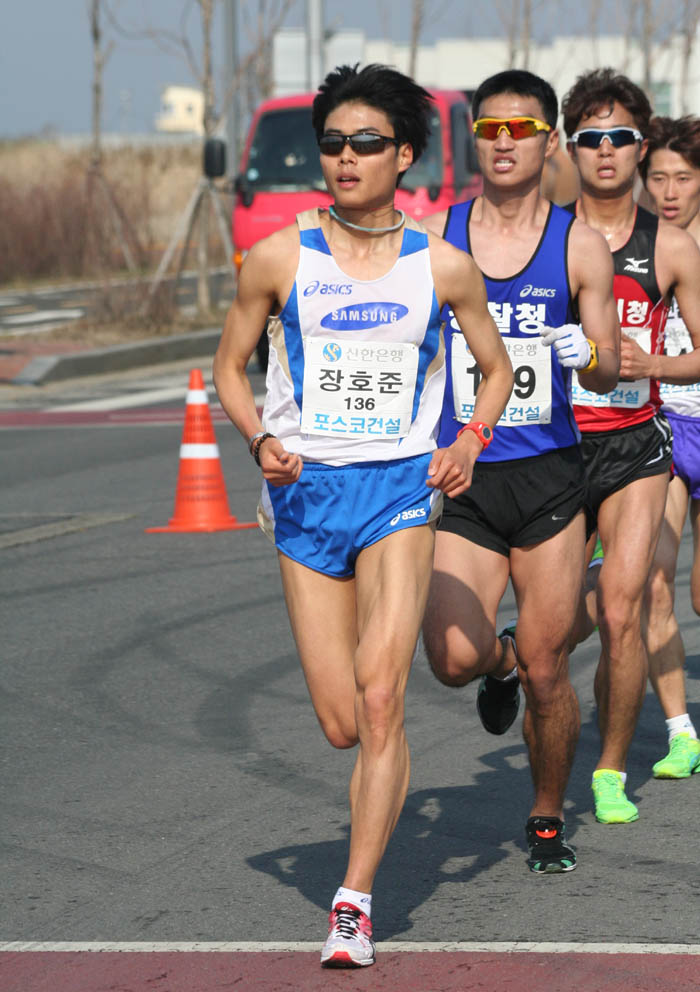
[(522, 519), (626, 440), (671, 173), (352, 480)]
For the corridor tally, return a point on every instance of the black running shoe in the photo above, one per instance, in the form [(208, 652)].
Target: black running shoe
[(497, 702), (549, 851)]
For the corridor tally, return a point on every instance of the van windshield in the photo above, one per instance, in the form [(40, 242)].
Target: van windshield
[(284, 155)]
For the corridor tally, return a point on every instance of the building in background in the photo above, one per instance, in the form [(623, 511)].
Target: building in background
[(181, 111), (462, 63)]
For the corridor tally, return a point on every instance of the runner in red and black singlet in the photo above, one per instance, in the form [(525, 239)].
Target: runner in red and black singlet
[(626, 440)]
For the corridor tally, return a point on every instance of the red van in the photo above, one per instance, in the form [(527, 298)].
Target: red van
[(281, 174)]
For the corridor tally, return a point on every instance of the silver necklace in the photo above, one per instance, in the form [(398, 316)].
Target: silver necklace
[(368, 230)]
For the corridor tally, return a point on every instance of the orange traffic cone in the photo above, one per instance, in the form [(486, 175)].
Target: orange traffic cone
[(201, 503)]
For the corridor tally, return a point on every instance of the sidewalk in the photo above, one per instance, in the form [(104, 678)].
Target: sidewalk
[(33, 360)]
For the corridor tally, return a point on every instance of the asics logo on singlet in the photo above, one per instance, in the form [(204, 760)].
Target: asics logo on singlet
[(635, 265), (328, 288), (408, 515), (364, 315), (531, 290)]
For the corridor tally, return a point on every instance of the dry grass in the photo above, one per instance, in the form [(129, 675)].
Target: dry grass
[(56, 222), (56, 229)]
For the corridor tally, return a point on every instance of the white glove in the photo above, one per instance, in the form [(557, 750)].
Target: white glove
[(570, 344)]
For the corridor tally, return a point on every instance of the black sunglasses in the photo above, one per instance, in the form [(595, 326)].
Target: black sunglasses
[(361, 144), (592, 137)]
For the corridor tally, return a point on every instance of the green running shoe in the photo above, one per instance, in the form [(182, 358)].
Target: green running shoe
[(682, 760), (611, 803), (598, 555)]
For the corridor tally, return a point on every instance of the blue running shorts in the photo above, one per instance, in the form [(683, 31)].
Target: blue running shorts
[(325, 518)]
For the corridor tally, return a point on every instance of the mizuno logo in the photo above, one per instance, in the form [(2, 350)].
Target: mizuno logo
[(635, 265)]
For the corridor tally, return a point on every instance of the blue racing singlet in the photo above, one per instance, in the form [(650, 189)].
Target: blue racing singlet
[(539, 416)]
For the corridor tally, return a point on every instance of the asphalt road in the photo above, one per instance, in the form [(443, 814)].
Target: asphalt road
[(163, 775), (46, 308)]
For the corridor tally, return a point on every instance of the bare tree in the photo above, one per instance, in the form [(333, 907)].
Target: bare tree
[(102, 204), (417, 15), (690, 18), (256, 66)]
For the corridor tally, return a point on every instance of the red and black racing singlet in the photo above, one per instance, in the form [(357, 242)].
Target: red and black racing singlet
[(642, 311)]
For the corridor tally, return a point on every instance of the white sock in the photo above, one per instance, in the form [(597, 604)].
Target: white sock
[(680, 725), (363, 900)]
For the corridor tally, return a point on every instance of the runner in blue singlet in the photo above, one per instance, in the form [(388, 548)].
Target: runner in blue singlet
[(522, 518)]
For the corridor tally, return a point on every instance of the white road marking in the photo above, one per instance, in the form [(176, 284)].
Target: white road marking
[(40, 317), (145, 398), (387, 946), (43, 532)]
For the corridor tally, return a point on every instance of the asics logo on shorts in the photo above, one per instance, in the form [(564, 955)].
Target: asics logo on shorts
[(414, 514)]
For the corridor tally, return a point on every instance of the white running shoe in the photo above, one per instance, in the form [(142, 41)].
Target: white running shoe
[(349, 943)]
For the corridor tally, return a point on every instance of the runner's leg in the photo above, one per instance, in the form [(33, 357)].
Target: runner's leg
[(326, 639), (547, 580), (392, 578), (629, 521), (459, 630), (663, 638)]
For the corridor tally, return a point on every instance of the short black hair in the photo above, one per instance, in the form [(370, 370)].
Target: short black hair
[(681, 136), (521, 83), (599, 89), (405, 103)]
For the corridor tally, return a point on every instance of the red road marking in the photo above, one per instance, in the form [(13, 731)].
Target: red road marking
[(458, 971)]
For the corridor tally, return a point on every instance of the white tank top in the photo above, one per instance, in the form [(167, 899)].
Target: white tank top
[(356, 369), (684, 400)]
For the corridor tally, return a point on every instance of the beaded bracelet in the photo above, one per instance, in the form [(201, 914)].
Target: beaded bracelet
[(257, 444), (253, 439)]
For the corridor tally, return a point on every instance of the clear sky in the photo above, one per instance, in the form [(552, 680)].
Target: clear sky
[(46, 53), (46, 57)]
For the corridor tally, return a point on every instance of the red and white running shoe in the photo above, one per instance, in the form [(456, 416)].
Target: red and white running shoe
[(349, 943)]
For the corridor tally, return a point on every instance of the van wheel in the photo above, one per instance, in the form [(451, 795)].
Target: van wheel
[(262, 350)]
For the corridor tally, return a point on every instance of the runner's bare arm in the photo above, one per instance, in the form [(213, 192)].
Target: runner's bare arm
[(264, 281), (459, 283), (591, 276), (678, 268)]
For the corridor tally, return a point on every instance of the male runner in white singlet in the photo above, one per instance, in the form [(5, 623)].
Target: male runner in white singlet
[(671, 173), (353, 479)]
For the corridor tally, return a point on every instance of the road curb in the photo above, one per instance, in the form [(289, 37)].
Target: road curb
[(118, 358)]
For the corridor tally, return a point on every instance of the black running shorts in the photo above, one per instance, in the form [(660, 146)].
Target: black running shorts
[(614, 459), (518, 503)]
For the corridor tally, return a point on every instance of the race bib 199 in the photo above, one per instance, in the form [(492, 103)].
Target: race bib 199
[(631, 394), (531, 399), (362, 390)]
